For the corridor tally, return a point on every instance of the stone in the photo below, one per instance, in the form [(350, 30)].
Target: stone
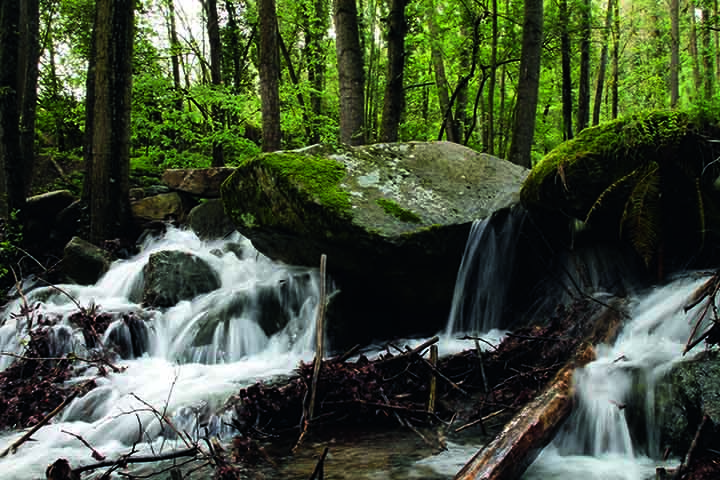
[(687, 392), (201, 182), (42, 214), (162, 207), (393, 220), (209, 221), (171, 276), (84, 262)]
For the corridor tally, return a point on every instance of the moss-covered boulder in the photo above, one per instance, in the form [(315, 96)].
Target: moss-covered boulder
[(648, 179), (392, 218)]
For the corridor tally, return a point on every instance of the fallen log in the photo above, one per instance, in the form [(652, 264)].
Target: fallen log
[(534, 426)]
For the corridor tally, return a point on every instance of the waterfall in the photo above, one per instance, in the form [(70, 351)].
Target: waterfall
[(196, 353), (596, 441), (485, 274)]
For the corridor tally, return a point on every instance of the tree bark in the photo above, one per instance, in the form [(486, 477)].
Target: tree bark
[(394, 102), (234, 46), (528, 84), (566, 87), (534, 426), (269, 76), (602, 68), (441, 83), (114, 39), (584, 83), (10, 151), (29, 55), (707, 55), (316, 27), (350, 71), (674, 52), (615, 58), (490, 146), (213, 29)]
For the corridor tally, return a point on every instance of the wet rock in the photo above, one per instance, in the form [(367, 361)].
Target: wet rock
[(172, 276), (129, 336), (162, 207), (690, 390), (393, 220), (201, 182), (83, 262), (209, 221)]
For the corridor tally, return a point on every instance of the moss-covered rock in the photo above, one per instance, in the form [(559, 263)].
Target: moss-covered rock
[(647, 178), (392, 218)]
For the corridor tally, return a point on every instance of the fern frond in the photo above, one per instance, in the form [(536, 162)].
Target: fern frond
[(641, 217), (612, 188)]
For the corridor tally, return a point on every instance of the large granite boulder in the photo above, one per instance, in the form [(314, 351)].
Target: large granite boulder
[(393, 220), (209, 221), (201, 182), (84, 262), (648, 179)]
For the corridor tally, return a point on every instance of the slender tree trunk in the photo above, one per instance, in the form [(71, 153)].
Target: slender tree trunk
[(440, 78), (490, 146), (566, 87), (602, 67), (351, 72), (316, 27), (693, 46), (10, 151), (394, 103), (674, 52), (584, 83), (114, 38), (707, 55), (234, 46), (528, 84), (269, 75), (615, 58), (174, 47), (213, 29), (29, 55)]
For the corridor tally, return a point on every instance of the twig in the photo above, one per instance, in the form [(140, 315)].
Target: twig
[(124, 459), (95, 454), (479, 420), (433, 379), (12, 448), (319, 337), (318, 473)]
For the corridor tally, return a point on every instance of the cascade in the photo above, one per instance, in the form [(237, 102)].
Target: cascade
[(196, 353)]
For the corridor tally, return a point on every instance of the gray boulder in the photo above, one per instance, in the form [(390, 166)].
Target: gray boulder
[(201, 182), (83, 262), (171, 276), (209, 221), (393, 220), (689, 391)]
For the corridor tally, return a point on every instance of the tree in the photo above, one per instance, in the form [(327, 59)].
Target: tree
[(350, 71), (269, 75), (394, 91), (528, 83), (109, 166), (441, 83), (213, 29), (584, 83), (10, 153), (602, 67), (674, 52), (316, 26), (565, 53)]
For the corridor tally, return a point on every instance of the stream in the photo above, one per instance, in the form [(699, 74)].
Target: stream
[(191, 382)]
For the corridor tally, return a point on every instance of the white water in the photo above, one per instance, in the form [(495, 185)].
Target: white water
[(170, 376)]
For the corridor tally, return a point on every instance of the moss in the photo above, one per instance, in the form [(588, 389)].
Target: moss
[(318, 177), (392, 208), (585, 165)]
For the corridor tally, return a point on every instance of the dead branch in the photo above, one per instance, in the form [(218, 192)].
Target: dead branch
[(126, 459)]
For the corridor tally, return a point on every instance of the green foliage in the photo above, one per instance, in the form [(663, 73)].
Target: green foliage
[(11, 238)]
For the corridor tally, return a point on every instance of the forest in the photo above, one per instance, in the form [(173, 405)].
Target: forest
[(114, 86)]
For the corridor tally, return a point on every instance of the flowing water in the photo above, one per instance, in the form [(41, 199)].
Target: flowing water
[(192, 379)]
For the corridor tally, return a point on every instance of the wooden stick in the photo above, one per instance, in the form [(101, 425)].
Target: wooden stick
[(318, 473), (433, 379), (319, 338), (12, 448)]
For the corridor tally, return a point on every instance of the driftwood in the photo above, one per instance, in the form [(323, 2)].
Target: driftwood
[(534, 426)]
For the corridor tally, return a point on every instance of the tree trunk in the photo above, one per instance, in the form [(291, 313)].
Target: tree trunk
[(440, 78), (114, 38), (28, 56), (566, 72), (584, 83), (707, 55), (10, 151), (316, 27), (615, 58), (350, 71), (490, 146), (213, 29), (234, 46), (528, 84), (269, 76), (674, 52), (394, 102), (602, 68)]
